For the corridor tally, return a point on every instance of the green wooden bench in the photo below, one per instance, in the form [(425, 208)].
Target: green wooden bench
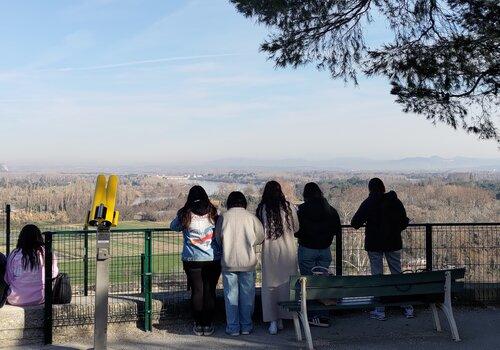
[(308, 293)]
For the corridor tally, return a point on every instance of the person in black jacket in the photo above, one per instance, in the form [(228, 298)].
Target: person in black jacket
[(385, 219), (319, 222)]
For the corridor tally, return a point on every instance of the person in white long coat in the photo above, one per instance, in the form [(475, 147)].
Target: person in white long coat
[(279, 253)]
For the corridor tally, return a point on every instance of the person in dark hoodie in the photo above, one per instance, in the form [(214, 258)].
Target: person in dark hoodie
[(319, 222), (385, 219)]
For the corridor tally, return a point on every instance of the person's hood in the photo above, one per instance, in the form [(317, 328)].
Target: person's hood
[(391, 196), (315, 209)]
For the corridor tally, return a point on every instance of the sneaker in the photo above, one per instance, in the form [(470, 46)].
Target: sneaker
[(280, 324), (245, 332), (197, 329), (378, 315), (408, 312), (234, 334), (273, 328), (317, 321), (209, 330)]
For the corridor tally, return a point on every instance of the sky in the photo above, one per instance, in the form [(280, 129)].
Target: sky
[(131, 82)]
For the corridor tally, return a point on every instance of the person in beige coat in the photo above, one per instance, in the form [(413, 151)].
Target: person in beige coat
[(279, 253), (238, 231)]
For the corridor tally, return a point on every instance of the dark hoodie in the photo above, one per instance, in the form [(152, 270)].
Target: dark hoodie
[(318, 223), (385, 219)]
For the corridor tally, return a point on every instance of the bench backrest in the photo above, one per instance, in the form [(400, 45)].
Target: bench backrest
[(420, 283)]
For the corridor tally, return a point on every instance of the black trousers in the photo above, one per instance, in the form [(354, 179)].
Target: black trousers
[(202, 277)]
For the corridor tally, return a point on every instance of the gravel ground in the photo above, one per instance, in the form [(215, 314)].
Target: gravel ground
[(479, 329)]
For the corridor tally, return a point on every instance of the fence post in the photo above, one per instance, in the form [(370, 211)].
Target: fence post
[(47, 311), (86, 263), (7, 228), (142, 273), (428, 247), (338, 253), (147, 273)]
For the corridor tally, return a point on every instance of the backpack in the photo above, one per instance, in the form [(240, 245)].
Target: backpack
[(4, 288), (61, 289)]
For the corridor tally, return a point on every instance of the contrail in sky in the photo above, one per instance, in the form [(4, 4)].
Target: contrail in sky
[(135, 63)]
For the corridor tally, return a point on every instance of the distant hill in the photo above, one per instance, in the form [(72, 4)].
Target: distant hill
[(433, 163), (341, 164)]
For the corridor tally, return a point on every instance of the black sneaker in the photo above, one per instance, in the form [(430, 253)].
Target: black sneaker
[(317, 321), (208, 330), (197, 329)]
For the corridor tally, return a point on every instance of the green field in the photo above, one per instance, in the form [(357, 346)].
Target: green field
[(126, 251), (123, 269)]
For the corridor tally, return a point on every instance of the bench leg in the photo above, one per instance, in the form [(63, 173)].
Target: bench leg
[(307, 330), (448, 312), (303, 312), (447, 309), (435, 315), (296, 324)]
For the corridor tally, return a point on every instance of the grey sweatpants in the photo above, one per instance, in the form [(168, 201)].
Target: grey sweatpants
[(377, 265), (377, 262)]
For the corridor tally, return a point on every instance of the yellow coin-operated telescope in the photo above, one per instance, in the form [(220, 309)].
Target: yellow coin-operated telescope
[(103, 211), (103, 215)]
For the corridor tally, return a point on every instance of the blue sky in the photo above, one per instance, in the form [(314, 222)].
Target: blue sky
[(182, 81)]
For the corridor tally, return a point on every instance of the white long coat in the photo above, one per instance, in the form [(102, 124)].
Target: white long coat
[(279, 262)]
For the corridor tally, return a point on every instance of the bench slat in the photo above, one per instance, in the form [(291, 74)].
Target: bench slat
[(377, 280), (349, 305), (324, 287)]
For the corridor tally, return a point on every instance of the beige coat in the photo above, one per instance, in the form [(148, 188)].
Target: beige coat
[(239, 231), (279, 262)]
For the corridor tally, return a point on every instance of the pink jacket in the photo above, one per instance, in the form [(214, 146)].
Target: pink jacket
[(26, 286)]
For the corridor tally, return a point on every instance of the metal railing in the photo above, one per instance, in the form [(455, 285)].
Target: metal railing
[(5, 229), (146, 267), (146, 263)]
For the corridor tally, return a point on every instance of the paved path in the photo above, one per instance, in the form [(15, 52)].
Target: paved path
[(479, 329)]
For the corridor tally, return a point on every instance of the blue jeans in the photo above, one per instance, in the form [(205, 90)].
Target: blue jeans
[(239, 297), (309, 258)]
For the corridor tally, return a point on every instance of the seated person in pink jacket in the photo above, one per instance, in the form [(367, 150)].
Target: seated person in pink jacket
[(25, 273)]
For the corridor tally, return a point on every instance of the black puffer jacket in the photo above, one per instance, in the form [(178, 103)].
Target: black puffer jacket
[(318, 223), (385, 219)]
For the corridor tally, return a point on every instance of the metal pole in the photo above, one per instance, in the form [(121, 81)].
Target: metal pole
[(7, 228), (428, 247), (142, 273), (101, 288), (47, 310), (338, 253), (147, 272), (86, 264)]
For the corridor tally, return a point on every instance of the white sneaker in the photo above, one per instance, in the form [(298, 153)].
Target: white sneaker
[(378, 315), (280, 324), (408, 312), (273, 328)]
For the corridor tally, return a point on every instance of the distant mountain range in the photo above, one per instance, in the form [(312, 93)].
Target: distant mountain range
[(344, 164), (433, 163)]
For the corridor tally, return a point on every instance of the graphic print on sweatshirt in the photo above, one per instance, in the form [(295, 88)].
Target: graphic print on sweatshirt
[(201, 232)]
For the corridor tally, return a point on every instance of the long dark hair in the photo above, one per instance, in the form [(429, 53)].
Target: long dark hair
[(197, 203), (30, 243), (273, 201)]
